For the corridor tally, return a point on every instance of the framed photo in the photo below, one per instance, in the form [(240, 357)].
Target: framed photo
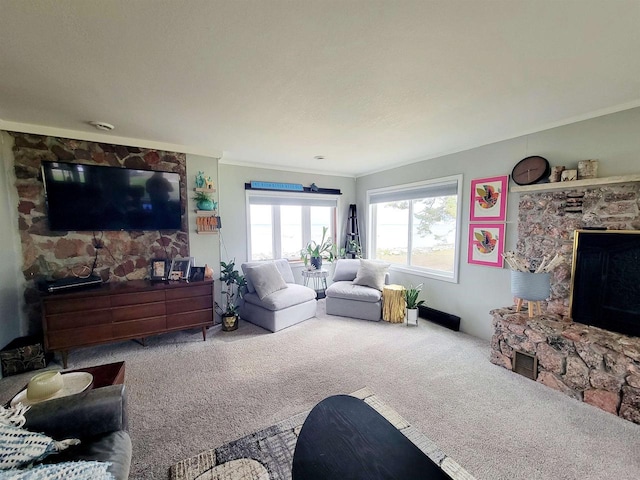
[(197, 274), (180, 268), (489, 199), (486, 244), (159, 269)]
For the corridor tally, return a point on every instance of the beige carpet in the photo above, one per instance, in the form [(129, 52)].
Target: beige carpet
[(268, 454), (186, 396)]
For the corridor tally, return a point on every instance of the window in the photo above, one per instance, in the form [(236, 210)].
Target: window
[(280, 224), (417, 226)]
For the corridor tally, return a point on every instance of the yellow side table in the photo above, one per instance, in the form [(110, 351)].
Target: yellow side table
[(393, 303)]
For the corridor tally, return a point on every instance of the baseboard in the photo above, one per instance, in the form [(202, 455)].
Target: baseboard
[(448, 320)]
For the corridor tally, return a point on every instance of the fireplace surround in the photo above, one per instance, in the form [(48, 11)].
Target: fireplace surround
[(600, 366)]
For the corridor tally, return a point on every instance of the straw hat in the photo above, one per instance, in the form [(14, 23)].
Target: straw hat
[(52, 384), (44, 385)]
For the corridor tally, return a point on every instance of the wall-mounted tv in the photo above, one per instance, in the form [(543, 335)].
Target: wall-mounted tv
[(91, 197)]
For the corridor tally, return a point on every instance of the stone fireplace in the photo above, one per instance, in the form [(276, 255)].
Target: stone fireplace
[(591, 364)]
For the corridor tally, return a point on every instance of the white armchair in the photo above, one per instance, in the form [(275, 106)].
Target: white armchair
[(273, 299)]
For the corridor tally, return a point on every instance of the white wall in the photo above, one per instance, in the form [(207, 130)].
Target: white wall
[(233, 209), (204, 248), (612, 139), (12, 320)]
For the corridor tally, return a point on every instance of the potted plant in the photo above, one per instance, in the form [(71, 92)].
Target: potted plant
[(314, 252), (353, 251), (204, 201), (411, 299), (235, 284)]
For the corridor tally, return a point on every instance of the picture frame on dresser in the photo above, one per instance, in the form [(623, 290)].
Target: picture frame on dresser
[(159, 270), (197, 274), (180, 268)]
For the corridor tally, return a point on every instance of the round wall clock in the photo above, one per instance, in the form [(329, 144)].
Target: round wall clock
[(530, 170)]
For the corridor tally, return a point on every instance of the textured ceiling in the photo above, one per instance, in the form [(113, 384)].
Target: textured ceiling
[(367, 84)]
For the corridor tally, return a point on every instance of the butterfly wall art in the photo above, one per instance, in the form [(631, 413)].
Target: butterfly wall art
[(486, 244), (489, 199)]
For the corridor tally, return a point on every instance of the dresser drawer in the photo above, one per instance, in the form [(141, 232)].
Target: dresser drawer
[(62, 305), (190, 319), (136, 298), (77, 337), (189, 304), (134, 312), (190, 291), (148, 326), (65, 321)]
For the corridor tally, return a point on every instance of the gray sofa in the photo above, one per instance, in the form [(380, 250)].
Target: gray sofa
[(346, 299), (281, 308), (98, 417)]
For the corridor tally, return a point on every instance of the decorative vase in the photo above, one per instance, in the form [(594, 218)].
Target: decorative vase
[(208, 272), (229, 323), (530, 286), (206, 205), (412, 316), (316, 262)]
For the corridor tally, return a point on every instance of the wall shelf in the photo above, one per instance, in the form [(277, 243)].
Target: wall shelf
[(207, 222), (589, 182)]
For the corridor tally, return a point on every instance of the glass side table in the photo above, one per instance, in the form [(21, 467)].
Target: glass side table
[(318, 278)]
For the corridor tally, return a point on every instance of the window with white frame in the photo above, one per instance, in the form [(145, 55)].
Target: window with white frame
[(281, 224), (417, 226)]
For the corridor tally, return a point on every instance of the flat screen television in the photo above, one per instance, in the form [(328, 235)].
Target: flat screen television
[(83, 197)]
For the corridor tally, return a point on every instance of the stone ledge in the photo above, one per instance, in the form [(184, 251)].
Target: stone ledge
[(587, 363)]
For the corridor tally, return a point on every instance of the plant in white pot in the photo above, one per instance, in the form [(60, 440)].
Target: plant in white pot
[(411, 298)]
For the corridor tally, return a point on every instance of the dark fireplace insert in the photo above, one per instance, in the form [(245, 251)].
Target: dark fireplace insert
[(605, 289)]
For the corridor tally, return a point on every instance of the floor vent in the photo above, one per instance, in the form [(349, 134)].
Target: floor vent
[(525, 364)]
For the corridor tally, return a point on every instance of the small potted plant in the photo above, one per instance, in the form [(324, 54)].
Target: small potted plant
[(314, 252), (204, 201), (235, 284), (411, 299)]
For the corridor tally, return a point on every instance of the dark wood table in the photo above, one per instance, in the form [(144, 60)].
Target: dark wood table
[(345, 438), (104, 375)]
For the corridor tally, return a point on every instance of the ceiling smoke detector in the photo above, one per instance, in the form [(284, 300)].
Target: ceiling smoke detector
[(107, 127), (319, 157)]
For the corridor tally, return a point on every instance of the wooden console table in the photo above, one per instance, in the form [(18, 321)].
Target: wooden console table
[(122, 311)]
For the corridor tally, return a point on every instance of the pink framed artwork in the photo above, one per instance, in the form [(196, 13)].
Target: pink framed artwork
[(486, 244), (489, 199)]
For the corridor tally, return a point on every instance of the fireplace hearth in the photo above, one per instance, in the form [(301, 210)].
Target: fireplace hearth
[(587, 363)]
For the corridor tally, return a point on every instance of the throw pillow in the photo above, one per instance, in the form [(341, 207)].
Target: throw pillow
[(266, 279), (371, 274), (20, 447), (346, 270), (82, 470)]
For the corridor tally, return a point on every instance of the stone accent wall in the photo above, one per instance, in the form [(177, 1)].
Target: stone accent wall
[(49, 254), (587, 363), (546, 222)]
